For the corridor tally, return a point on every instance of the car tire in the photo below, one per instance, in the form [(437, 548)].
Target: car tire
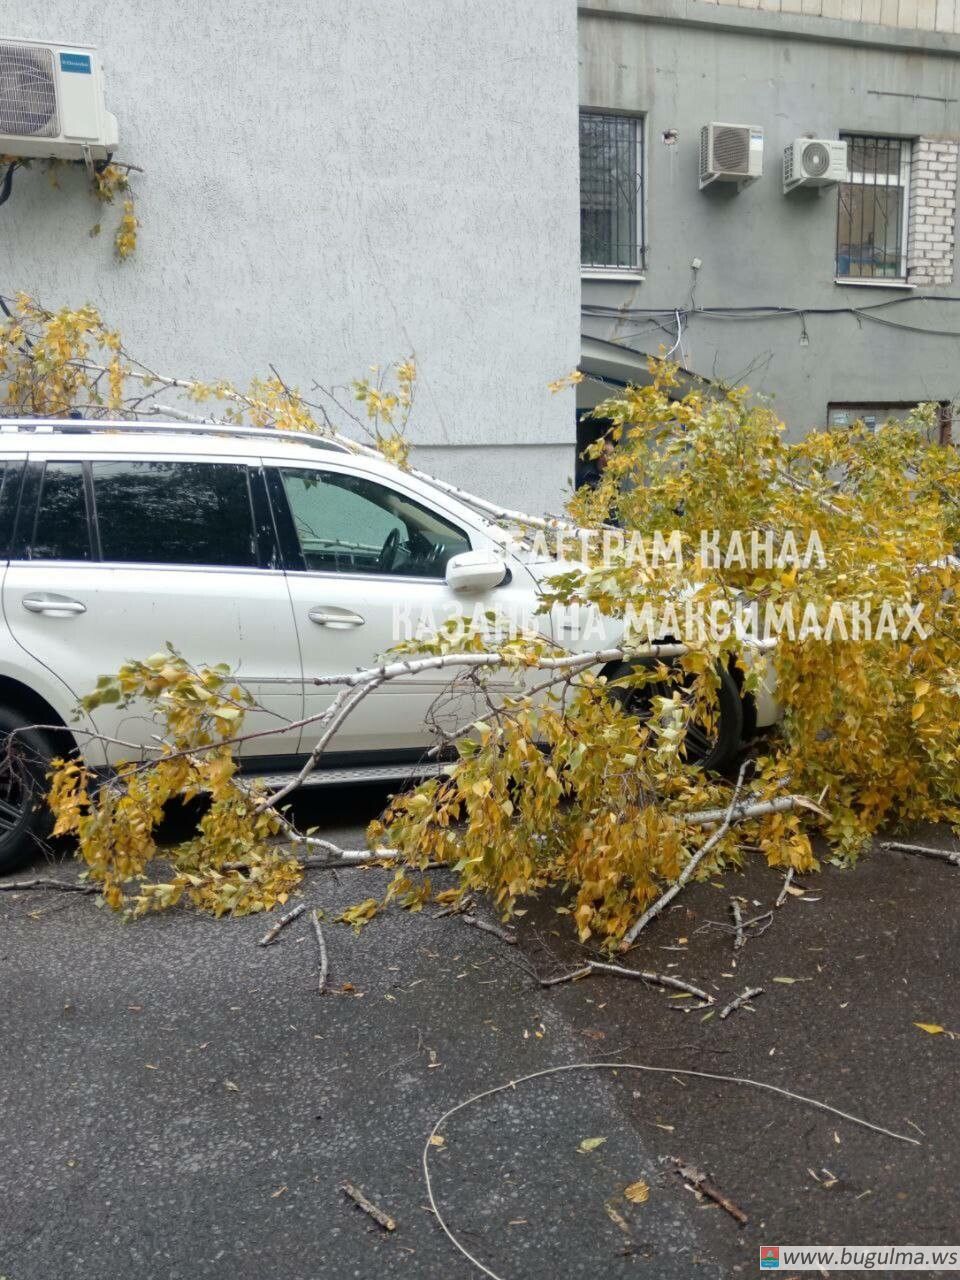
[(25, 817), (710, 750)]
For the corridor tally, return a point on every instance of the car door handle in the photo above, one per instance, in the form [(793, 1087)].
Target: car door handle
[(50, 603), (329, 616)]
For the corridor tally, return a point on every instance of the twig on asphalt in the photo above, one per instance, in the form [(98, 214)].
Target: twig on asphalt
[(739, 1001), (787, 882), (621, 971), (455, 908), (42, 882), (759, 924), (700, 1182), (322, 948), (741, 937), (272, 934), (925, 851), (429, 1145), (360, 1200), (505, 935), (667, 897)]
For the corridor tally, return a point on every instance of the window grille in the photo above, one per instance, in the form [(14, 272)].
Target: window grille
[(611, 191), (872, 211)]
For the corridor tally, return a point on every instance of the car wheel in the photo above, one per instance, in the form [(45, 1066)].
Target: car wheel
[(711, 748), (25, 818)]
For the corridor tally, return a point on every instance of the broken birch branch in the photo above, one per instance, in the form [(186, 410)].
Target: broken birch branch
[(504, 935), (621, 971), (42, 882), (740, 937), (322, 948), (700, 1182), (739, 1001), (787, 882), (360, 1200), (272, 933), (924, 850), (708, 845)]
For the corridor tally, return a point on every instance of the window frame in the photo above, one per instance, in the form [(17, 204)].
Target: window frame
[(30, 491), (265, 559), (638, 266), (30, 494), (291, 555), (864, 178)]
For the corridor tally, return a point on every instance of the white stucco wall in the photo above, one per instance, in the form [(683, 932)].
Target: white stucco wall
[(330, 186)]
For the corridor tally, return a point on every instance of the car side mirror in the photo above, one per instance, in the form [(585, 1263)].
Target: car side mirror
[(475, 571)]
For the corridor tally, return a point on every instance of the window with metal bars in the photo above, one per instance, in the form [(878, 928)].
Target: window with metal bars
[(872, 211), (611, 191)]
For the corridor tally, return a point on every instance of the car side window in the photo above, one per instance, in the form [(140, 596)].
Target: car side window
[(53, 522), (353, 524), (175, 513)]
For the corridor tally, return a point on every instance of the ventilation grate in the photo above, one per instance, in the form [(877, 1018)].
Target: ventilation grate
[(816, 159), (731, 150), (28, 95)]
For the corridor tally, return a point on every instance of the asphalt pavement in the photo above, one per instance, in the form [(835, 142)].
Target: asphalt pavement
[(178, 1102)]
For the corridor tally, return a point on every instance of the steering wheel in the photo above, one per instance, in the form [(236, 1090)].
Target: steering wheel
[(388, 552)]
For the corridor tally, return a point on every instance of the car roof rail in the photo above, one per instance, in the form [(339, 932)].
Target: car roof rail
[(87, 426)]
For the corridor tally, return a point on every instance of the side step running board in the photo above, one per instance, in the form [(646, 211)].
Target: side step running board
[(413, 772)]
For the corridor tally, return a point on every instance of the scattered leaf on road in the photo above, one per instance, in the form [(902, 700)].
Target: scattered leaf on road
[(591, 1144), (932, 1028), (638, 1192)]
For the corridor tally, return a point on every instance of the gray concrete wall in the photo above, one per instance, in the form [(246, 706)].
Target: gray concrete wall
[(330, 186), (684, 64)]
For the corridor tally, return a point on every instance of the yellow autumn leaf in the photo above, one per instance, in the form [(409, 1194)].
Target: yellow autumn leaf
[(638, 1192), (932, 1028)]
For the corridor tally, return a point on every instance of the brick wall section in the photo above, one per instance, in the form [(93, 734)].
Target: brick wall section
[(914, 15), (933, 209)]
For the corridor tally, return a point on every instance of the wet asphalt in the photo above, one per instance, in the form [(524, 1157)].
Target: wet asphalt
[(177, 1102)]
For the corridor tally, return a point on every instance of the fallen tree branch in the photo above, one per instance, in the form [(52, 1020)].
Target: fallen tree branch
[(322, 948), (621, 971), (455, 908), (505, 935), (429, 1145), (360, 1200), (739, 1001), (43, 882), (740, 938), (787, 882), (702, 1183), (924, 850), (272, 933), (780, 804), (667, 897)]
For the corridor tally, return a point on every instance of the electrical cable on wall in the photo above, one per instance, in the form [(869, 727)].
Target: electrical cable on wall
[(681, 316)]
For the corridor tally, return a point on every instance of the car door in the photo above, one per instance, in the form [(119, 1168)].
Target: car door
[(115, 557), (365, 566)]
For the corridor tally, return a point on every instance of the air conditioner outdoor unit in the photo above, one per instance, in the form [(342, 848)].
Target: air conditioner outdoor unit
[(814, 162), (730, 153), (51, 102)]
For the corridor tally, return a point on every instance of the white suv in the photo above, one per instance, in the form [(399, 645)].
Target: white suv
[(281, 554)]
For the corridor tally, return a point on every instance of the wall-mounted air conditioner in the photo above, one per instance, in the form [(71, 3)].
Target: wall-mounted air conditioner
[(730, 153), (51, 102), (814, 162)]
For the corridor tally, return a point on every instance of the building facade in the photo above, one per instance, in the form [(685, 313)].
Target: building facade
[(835, 301), (332, 186)]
